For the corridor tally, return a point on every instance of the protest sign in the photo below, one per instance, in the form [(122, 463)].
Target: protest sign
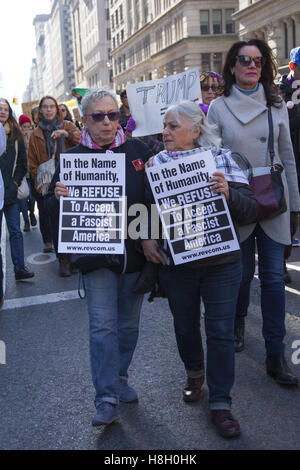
[(92, 218), (148, 101), (196, 220)]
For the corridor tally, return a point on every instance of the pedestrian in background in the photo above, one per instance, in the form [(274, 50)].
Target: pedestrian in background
[(290, 88), (211, 88), (52, 137), (241, 115), (2, 150), (124, 110), (13, 165), (27, 205)]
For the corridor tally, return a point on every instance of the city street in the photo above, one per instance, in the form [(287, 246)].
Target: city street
[(46, 393)]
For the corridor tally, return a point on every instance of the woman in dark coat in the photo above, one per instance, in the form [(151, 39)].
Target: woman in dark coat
[(13, 165)]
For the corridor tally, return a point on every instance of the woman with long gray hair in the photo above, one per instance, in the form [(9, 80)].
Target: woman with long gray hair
[(215, 279)]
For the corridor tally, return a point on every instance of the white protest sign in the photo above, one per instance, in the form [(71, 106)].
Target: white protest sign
[(196, 221), (148, 101), (92, 218)]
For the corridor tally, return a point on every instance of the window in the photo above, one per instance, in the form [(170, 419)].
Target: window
[(286, 46), (112, 22), (217, 62), (168, 34), (122, 35), (205, 62), (204, 22), (217, 21), (159, 40), (293, 33), (230, 28), (121, 13)]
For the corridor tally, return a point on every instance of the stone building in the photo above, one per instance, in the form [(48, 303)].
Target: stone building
[(155, 38), (91, 43), (61, 50), (275, 21)]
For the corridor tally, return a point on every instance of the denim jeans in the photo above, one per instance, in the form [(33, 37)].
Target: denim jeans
[(114, 313), (218, 288), (271, 275), (44, 218), (12, 216), (24, 209)]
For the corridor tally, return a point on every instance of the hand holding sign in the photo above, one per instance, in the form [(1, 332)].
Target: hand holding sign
[(148, 101)]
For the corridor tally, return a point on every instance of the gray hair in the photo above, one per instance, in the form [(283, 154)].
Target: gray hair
[(97, 95), (192, 113)]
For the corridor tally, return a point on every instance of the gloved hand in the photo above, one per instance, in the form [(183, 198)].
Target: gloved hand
[(131, 125), (294, 222)]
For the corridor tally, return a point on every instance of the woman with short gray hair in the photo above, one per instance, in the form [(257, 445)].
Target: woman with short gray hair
[(114, 310), (215, 279)]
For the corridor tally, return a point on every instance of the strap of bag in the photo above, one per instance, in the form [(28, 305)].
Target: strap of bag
[(16, 158), (271, 136)]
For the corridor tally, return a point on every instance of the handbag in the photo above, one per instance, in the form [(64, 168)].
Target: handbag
[(23, 188), (266, 183)]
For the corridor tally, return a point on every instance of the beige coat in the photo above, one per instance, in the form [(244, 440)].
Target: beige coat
[(243, 125)]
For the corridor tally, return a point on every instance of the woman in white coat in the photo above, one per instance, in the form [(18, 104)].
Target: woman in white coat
[(241, 115)]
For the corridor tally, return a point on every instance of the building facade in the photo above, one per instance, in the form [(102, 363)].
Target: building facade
[(45, 85), (61, 50), (155, 38), (91, 42), (281, 31)]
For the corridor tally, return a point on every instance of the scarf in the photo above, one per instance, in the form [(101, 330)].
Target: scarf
[(87, 141), (48, 127), (223, 161)]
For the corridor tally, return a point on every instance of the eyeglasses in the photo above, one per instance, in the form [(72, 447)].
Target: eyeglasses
[(99, 117), (246, 60), (214, 88)]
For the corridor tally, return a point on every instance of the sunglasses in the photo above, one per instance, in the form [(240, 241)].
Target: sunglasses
[(99, 117), (246, 60), (207, 87)]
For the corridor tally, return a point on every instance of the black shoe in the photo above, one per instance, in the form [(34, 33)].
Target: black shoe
[(278, 369), (23, 273), (192, 390), (239, 338), (26, 227), (33, 220)]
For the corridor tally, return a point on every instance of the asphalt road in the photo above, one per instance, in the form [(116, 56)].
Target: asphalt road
[(46, 394)]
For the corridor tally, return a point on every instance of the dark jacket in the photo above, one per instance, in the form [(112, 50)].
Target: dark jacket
[(243, 208), (7, 161), (133, 261), (294, 118)]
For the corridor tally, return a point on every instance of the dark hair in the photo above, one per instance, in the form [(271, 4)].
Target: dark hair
[(58, 111), (268, 72), (34, 113), (123, 93), (69, 115), (15, 131)]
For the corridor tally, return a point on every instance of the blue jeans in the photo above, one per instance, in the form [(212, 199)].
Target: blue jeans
[(271, 275), (218, 287), (24, 209), (114, 314), (12, 216)]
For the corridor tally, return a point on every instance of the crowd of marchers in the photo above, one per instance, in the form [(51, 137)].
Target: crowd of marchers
[(239, 112)]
